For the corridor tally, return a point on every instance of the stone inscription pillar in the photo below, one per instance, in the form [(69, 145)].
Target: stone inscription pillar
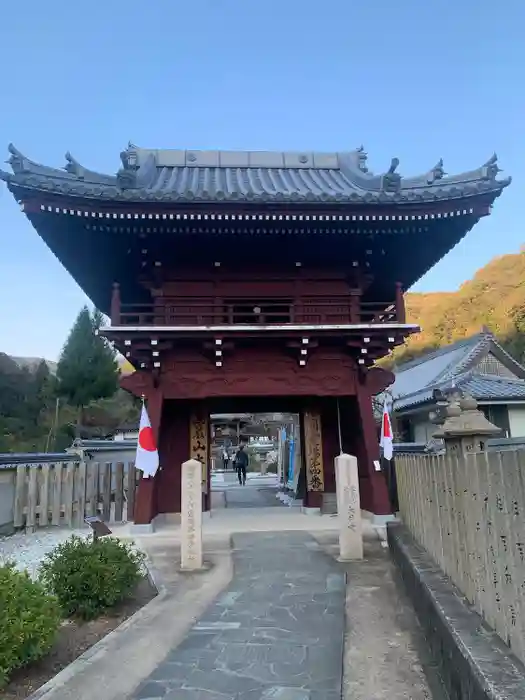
[(191, 516), (348, 508)]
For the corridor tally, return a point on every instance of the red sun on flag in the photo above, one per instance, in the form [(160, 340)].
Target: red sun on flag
[(147, 439), (387, 432)]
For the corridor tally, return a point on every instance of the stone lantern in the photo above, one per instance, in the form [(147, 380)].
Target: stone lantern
[(461, 425)]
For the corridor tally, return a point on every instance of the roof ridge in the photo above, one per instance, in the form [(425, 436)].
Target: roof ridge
[(307, 176), (438, 352), (501, 349), (479, 346)]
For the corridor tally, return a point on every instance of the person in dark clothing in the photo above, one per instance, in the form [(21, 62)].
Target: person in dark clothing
[(241, 464)]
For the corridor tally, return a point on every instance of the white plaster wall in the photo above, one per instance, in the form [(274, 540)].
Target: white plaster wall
[(423, 430), (128, 435), (517, 421)]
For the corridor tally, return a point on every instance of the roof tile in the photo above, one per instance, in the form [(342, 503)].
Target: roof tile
[(455, 366), (182, 175)]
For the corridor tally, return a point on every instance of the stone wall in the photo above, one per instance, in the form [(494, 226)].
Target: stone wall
[(467, 509)]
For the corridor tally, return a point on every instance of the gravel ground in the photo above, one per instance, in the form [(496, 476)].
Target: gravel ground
[(26, 551)]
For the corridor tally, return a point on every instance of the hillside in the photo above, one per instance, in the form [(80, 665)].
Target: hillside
[(495, 298), (31, 363)]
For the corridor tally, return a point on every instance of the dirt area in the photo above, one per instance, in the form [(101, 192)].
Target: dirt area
[(386, 654), (74, 639)]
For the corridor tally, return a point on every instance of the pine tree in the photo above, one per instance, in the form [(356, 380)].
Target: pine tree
[(87, 369)]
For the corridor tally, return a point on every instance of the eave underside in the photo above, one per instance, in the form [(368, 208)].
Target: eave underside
[(98, 251)]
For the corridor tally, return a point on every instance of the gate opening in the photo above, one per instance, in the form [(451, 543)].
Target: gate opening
[(255, 457)]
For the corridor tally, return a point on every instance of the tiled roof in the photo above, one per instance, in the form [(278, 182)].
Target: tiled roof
[(455, 366), (482, 387), (433, 367), (7, 459), (222, 176), (487, 386)]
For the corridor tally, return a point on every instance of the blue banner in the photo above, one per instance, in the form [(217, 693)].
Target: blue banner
[(291, 461)]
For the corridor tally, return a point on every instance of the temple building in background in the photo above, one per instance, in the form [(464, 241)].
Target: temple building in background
[(253, 282)]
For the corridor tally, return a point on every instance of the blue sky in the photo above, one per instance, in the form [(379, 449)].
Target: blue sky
[(413, 79)]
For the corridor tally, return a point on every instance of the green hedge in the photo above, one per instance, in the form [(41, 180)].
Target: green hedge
[(90, 576), (29, 620)]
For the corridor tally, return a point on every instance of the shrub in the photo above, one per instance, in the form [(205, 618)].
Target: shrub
[(29, 620), (90, 576)]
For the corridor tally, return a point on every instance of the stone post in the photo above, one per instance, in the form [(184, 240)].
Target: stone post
[(462, 426), (348, 508), (191, 516)]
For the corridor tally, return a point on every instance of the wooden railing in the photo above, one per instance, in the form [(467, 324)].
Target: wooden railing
[(318, 311), (64, 493)]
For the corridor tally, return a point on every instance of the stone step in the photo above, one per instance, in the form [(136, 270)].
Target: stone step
[(329, 504)]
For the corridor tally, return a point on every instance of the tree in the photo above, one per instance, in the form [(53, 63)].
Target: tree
[(39, 392), (87, 369)]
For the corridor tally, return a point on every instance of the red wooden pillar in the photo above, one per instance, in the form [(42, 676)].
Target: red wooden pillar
[(146, 501), (375, 492), (400, 304)]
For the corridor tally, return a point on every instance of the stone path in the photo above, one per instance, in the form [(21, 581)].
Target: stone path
[(250, 496), (276, 633)]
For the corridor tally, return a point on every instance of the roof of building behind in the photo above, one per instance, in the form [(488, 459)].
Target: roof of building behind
[(455, 366), (221, 176)]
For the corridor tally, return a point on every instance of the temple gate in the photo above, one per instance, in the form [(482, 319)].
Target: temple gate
[(268, 280)]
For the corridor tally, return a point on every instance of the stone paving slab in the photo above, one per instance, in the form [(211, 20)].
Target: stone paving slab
[(276, 634)]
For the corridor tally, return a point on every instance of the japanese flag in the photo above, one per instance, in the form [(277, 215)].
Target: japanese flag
[(386, 433), (147, 458)]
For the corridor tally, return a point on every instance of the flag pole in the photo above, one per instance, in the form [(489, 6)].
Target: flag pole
[(143, 399), (339, 428), (393, 421)]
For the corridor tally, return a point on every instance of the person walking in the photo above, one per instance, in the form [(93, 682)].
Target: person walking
[(241, 464), (225, 460)]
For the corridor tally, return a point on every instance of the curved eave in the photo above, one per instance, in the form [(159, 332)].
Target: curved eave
[(330, 179), (21, 186)]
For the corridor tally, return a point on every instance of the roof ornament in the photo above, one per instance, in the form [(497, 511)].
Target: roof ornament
[(362, 157), (490, 169), (127, 175), (73, 167), (18, 162), (391, 181), (437, 172)]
